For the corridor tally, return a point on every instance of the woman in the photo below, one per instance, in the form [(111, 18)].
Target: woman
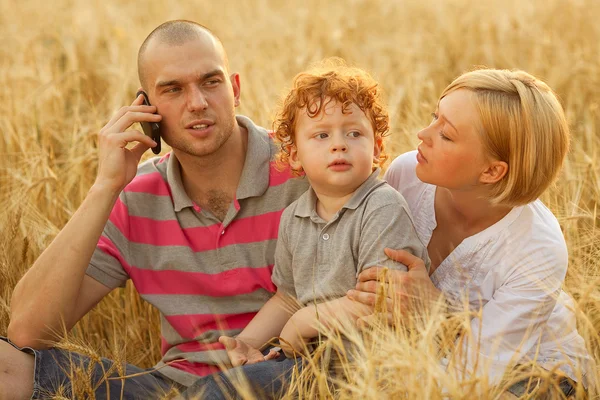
[(497, 141)]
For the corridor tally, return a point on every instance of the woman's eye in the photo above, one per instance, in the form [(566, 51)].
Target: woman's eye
[(434, 117), (444, 137)]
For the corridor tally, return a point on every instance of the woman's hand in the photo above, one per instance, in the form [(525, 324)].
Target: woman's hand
[(407, 292)]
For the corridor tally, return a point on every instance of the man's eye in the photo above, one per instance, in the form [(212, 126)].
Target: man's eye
[(172, 90), (212, 82)]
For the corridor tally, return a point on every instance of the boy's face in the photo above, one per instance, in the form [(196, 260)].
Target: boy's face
[(336, 150)]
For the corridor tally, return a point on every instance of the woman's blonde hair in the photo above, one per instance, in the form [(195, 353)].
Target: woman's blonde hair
[(524, 125)]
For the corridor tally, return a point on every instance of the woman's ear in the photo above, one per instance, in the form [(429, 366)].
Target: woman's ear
[(494, 173)]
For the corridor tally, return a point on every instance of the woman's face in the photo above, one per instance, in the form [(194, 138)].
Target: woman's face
[(451, 153)]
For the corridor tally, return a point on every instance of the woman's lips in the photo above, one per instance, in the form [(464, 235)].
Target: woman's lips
[(420, 158)]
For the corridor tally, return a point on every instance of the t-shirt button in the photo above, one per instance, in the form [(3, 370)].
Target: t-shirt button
[(223, 232), (326, 236)]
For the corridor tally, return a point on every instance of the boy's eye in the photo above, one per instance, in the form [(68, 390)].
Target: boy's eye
[(354, 134), (322, 135)]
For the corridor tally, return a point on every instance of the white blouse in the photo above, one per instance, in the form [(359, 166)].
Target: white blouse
[(512, 273)]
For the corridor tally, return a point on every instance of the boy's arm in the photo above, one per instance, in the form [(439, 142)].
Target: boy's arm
[(266, 324), (269, 321), (306, 323), (276, 312)]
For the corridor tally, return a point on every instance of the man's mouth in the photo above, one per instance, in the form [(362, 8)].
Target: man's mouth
[(199, 124)]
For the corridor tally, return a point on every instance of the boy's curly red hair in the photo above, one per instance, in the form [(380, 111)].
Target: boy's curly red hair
[(330, 80)]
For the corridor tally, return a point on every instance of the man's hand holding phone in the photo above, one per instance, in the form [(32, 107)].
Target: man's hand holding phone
[(117, 165)]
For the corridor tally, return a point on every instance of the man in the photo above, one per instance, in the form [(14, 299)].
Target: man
[(195, 230)]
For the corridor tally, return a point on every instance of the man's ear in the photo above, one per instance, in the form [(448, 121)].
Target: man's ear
[(377, 148), (235, 83), (494, 173), (294, 160)]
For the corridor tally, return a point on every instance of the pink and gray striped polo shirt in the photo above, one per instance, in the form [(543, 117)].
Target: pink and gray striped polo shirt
[(206, 277)]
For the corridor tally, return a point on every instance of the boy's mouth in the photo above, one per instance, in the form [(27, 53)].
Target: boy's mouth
[(339, 162)]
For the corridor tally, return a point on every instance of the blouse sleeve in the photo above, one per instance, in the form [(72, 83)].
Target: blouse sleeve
[(510, 325)]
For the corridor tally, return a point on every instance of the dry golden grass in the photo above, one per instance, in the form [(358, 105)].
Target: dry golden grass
[(67, 65)]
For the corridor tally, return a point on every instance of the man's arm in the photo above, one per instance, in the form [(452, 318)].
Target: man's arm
[(55, 292), (52, 293)]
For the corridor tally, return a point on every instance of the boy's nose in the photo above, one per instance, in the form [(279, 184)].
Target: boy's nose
[(339, 146)]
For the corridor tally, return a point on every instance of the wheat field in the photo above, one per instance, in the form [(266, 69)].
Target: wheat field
[(67, 65)]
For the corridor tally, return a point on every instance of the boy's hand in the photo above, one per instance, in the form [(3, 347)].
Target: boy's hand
[(241, 353)]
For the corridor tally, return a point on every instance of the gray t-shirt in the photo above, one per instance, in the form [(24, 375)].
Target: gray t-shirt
[(318, 261)]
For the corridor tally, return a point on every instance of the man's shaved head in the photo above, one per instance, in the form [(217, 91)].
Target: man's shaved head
[(176, 33)]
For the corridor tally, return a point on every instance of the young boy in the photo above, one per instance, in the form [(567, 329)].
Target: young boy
[(331, 128)]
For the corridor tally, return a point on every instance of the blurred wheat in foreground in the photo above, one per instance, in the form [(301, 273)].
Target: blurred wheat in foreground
[(67, 65)]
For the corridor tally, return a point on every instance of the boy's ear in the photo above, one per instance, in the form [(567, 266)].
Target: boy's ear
[(494, 172), (294, 161), (377, 148)]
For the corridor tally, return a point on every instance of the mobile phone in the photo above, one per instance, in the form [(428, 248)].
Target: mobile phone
[(151, 129)]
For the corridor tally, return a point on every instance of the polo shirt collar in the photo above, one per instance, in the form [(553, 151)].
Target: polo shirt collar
[(180, 198), (254, 181), (255, 173), (306, 206)]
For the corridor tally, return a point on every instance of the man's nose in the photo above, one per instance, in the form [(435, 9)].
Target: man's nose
[(196, 100)]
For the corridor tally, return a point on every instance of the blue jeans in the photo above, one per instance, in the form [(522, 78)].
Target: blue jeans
[(55, 369), (527, 386), (264, 380)]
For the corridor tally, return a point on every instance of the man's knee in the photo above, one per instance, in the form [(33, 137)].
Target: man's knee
[(16, 372)]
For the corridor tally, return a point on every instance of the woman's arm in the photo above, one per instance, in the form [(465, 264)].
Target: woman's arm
[(507, 327), (407, 292)]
